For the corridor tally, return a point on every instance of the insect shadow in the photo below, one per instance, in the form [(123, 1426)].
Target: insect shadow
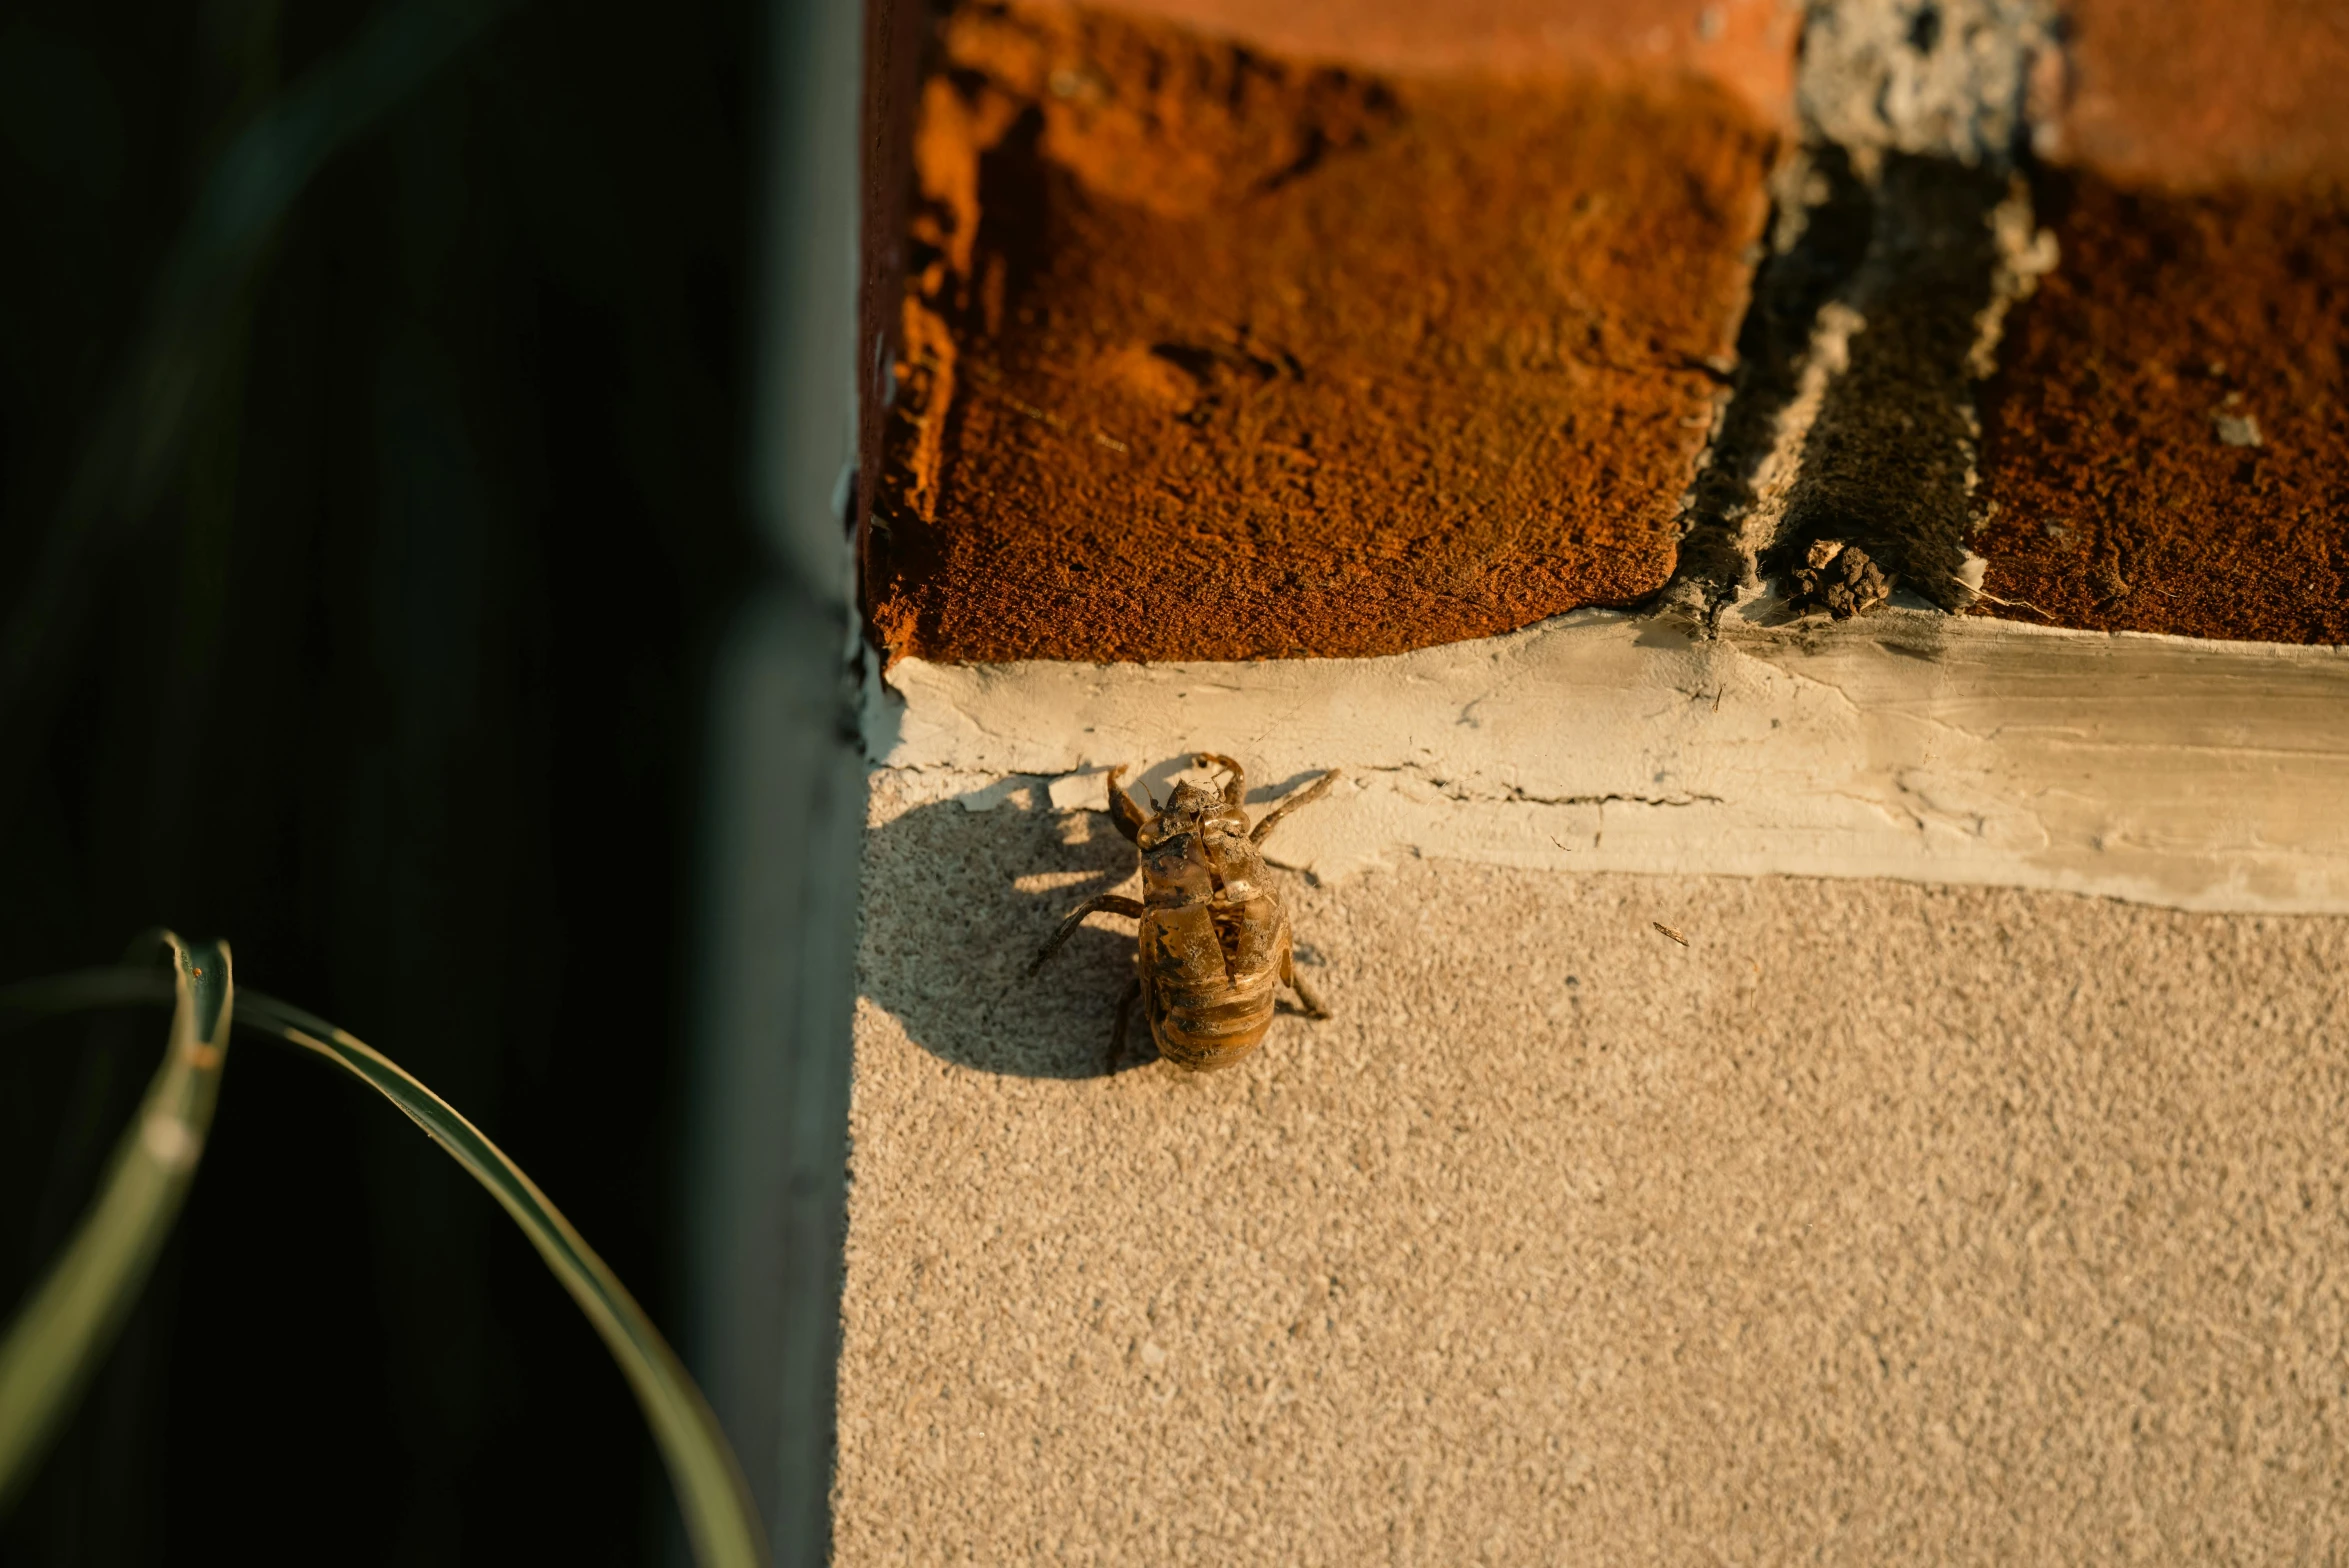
[(957, 902)]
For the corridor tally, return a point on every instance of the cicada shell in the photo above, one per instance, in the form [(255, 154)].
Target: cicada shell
[(1212, 945)]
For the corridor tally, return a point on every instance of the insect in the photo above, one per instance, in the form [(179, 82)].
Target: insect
[(1214, 941)]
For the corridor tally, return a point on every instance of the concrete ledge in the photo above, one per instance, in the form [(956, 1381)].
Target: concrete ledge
[(1910, 745), (1882, 1223)]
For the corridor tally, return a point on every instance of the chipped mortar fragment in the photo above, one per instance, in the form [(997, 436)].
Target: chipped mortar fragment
[(1076, 791), (2236, 429), (1839, 578)]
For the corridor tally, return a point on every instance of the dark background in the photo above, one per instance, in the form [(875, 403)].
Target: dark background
[(382, 654)]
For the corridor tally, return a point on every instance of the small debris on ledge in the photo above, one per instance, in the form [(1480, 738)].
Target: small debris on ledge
[(2236, 429), (1840, 579)]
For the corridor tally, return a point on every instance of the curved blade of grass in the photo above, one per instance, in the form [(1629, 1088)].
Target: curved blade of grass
[(710, 1491), (64, 1328)]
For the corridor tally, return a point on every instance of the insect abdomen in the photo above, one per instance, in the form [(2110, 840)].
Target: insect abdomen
[(1214, 1029), (1209, 974)]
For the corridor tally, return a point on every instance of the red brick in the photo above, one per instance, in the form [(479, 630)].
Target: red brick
[(2185, 96), (1342, 340), (2201, 201), (1745, 45)]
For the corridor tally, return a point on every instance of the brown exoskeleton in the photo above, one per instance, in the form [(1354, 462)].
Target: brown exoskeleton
[(1214, 940)]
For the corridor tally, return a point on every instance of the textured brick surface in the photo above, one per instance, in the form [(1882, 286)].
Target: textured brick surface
[(1204, 329), (2167, 443), (1212, 352), (2178, 324), (2177, 94), (1747, 45)]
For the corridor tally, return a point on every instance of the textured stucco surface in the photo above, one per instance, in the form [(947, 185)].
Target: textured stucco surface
[(1880, 1222)]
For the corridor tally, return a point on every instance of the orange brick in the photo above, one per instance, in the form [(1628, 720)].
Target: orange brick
[(2167, 442), (1358, 329)]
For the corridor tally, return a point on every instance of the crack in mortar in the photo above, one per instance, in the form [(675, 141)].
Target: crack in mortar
[(1902, 237), (1520, 797), (1454, 789)]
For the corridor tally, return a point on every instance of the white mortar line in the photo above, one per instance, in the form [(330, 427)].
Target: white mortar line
[(1914, 745)]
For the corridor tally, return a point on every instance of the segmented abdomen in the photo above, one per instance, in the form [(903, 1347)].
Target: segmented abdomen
[(1208, 973)]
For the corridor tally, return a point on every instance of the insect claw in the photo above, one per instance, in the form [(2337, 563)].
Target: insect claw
[(1122, 809)]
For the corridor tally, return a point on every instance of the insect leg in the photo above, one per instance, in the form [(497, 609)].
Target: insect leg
[(1311, 792), (1125, 1011), (1122, 809), (1235, 788), (1315, 1007), (1106, 904)]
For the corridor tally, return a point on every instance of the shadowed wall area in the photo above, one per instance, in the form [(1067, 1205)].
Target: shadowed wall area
[(392, 674)]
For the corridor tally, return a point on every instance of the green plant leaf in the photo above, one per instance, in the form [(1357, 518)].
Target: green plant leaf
[(65, 1326), (710, 1491)]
